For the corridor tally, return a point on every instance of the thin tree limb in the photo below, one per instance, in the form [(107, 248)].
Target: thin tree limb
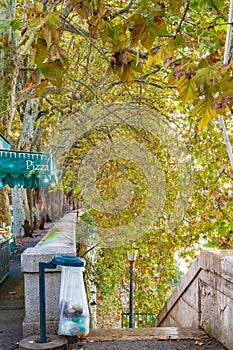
[(123, 11), (183, 18), (218, 11), (75, 29)]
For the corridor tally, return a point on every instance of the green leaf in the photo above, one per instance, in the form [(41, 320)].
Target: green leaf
[(53, 19), (204, 76), (53, 72), (16, 24), (157, 25), (5, 24), (40, 52), (36, 22), (177, 42), (106, 31), (226, 86)]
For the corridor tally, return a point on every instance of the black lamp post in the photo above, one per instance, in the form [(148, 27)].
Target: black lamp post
[(131, 256)]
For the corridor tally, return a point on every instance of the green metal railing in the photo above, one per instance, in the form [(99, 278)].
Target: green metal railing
[(140, 319)]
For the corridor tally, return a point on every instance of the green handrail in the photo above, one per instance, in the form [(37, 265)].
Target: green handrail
[(140, 319)]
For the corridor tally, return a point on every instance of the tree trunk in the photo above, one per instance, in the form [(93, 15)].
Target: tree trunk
[(4, 207), (20, 210), (8, 71), (8, 77), (21, 197)]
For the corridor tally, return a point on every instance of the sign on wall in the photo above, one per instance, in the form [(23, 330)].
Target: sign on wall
[(26, 169)]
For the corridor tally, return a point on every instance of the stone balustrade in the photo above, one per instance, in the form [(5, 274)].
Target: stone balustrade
[(204, 298), (60, 240)]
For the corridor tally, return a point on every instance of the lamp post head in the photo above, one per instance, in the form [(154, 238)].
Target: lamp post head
[(132, 254)]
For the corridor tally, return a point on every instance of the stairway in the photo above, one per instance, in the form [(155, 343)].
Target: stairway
[(159, 333), (155, 338)]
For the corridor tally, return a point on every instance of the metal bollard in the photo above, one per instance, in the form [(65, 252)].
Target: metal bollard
[(42, 267)]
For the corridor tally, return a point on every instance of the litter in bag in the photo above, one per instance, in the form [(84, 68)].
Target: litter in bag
[(74, 314)]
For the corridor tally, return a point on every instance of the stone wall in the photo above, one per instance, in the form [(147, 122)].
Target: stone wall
[(60, 240), (204, 297)]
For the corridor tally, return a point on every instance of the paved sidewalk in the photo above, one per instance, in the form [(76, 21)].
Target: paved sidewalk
[(12, 295)]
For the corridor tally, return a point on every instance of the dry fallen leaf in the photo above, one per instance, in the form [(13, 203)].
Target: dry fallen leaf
[(198, 343)]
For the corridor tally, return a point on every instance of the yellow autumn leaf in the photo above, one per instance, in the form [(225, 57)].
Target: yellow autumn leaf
[(138, 28), (176, 6), (172, 81), (40, 89), (28, 40), (127, 74), (40, 52), (205, 112), (186, 88), (204, 75), (160, 56), (226, 86)]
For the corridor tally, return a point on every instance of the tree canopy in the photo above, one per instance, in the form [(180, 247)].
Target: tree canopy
[(170, 46), (82, 59)]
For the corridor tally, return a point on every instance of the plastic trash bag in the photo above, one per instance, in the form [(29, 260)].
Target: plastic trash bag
[(74, 314)]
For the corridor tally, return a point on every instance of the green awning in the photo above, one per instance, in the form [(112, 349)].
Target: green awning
[(4, 144), (26, 169)]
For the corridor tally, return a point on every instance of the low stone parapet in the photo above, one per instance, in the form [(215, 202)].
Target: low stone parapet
[(204, 297), (60, 240)]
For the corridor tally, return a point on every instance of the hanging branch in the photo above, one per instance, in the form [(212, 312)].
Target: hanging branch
[(183, 18), (218, 11)]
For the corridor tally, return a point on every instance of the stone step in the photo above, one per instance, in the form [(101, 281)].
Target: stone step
[(158, 333)]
